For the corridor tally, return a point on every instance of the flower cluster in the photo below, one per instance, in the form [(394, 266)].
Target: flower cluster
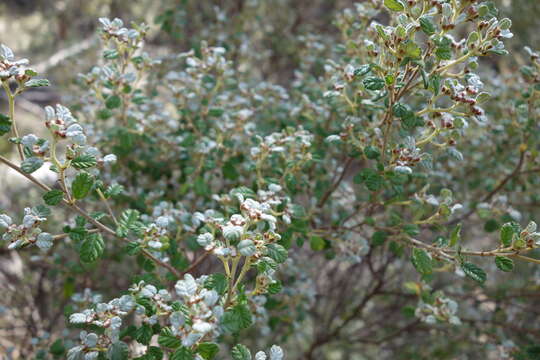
[(29, 231)]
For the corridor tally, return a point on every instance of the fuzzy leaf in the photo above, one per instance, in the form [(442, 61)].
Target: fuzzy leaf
[(207, 350), (84, 161), (92, 248), (394, 5), (167, 339), (5, 124), (53, 197), (504, 263), (82, 185), (31, 164), (277, 252), (427, 26), (474, 272), (422, 261), (240, 352), (37, 83)]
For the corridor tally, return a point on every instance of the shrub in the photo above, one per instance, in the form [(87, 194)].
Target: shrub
[(231, 203)]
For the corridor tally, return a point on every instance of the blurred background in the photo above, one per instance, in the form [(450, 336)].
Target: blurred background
[(261, 36)]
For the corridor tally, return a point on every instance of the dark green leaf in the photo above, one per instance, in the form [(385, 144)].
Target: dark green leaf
[(207, 350), (474, 272), (378, 238), (236, 319), (504, 263), (422, 261), (182, 353), (372, 152), (167, 339), (506, 233), (5, 124), (427, 26), (374, 83), (113, 102), (84, 161), (217, 282), (144, 334), (82, 185), (53, 197), (92, 248), (240, 352), (276, 252), (31, 164)]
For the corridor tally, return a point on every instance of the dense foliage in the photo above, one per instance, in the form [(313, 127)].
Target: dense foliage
[(382, 196)]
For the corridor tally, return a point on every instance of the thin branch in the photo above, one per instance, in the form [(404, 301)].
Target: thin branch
[(103, 228)]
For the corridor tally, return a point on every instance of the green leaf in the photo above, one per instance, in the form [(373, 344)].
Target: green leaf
[(113, 102), (427, 26), (455, 235), (411, 49), (236, 319), (372, 152), (374, 83), (37, 83), (362, 70), (276, 252), (57, 348), (168, 340), (5, 124), (474, 272), (506, 233), (504, 263), (129, 220), (53, 197), (217, 282), (394, 5), (317, 243), (118, 351), (208, 350), (182, 353), (378, 238), (443, 53), (297, 211), (92, 248), (240, 352), (144, 334), (422, 261), (217, 112), (374, 182), (411, 229), (84, 161), (275, 287), (31, 164), (82, 185)]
